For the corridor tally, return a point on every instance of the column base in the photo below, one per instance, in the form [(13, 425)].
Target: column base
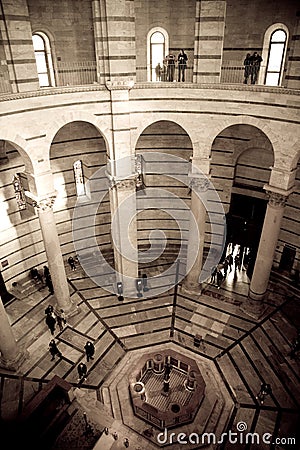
[(254, 305), (190, 287), (14, 364)]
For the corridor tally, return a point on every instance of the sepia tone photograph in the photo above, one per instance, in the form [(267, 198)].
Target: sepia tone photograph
[(150, 223)]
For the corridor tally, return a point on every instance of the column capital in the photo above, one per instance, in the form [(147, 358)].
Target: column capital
[(127, 184), (200, 183), (122, 183), (44, 204), (277, 197)]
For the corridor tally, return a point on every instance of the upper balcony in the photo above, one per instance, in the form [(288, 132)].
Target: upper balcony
[(85, 73)]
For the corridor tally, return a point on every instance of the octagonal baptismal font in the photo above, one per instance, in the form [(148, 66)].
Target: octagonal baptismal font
[(166, 389)]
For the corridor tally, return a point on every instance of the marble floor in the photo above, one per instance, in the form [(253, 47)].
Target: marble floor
[(238, 351)]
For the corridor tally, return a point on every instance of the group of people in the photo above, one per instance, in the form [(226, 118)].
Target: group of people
[(82, 367), (43, 279), (167, 71), (53, 318), (219, 272), (251, 67)]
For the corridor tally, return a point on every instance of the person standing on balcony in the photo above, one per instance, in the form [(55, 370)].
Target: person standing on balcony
[(256, 59), (182, 59), (247, 67), (170, 66), (158, 72)]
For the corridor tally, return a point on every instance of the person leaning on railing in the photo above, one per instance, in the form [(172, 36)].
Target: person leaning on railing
[(247, 68), (256, 60), (182, 59)]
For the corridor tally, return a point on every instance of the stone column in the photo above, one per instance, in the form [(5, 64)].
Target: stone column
[(16, 35), (123, 180), (266, 251), (124, 233), (196, 236), (209, 38), (54, 256), (11, 355)]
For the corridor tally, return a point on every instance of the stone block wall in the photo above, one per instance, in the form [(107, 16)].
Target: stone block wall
[(69, 25), (79, 141)]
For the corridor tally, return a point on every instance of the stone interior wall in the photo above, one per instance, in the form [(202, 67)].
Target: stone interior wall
[(175, 16), (69, 23), (79, 140), (164, 137), (21, 244), (289, 233), (246, 23)]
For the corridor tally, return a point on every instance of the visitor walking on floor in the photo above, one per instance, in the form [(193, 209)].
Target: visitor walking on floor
[(54, 350), (71, 262), (82, 371), (213, 275), (51, 322), (89, 350), (61, 319), (265, 390)]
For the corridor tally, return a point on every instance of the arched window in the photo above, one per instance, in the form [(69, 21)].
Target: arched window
[(157, 49), (78, 175), (273, 54), (42, 52), (275, 58)]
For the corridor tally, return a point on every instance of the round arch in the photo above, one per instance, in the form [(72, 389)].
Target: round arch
[(21, 146), (151, 121), (67, 118)]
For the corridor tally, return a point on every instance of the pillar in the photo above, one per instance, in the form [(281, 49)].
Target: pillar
[(196, 237), (16, 35), (123, 177), (124, 234), (266, 251), (54, 256), (12, 356), (114, 32), (209, 38)]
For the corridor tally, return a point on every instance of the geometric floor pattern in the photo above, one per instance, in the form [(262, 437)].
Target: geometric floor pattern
[(243, 352)]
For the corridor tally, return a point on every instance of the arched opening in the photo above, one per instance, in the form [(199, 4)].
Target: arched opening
[(157, 49), (43, 58), (80, 145), (275, 62), (242, 157), (163, 204), (274, 55), (20, 246)]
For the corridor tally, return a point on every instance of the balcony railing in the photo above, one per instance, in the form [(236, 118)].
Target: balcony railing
[(76, 74), (5, 85), (85, 72)]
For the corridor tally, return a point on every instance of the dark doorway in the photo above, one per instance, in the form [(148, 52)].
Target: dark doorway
[(244, 224), (287, 258)]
